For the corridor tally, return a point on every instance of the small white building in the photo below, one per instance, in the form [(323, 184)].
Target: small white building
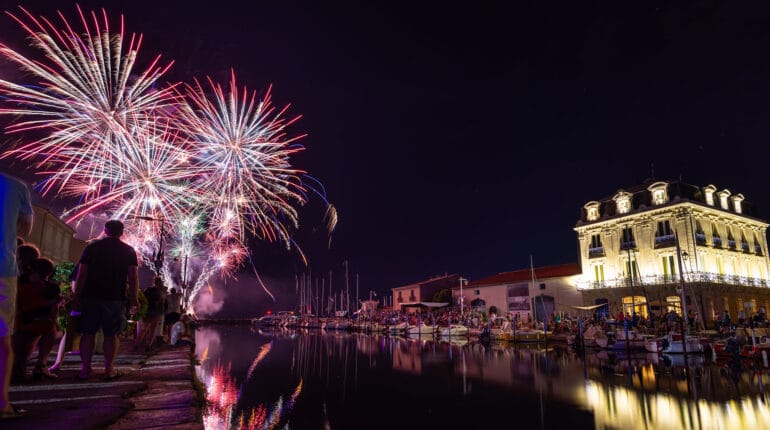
[(554, 289)]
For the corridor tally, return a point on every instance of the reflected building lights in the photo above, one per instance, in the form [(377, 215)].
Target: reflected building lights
[(643, 392), (621, 407)]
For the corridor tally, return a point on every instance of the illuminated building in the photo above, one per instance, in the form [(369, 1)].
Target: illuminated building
[(53, 237), (628, 253), (516, 293), (423, 291)]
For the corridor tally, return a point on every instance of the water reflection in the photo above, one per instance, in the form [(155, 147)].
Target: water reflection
[(300, 379)]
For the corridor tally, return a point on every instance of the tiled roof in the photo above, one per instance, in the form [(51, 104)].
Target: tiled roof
[(525, 275), (427, 281)]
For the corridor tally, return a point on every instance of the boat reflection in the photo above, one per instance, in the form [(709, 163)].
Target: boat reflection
[(310, 379)]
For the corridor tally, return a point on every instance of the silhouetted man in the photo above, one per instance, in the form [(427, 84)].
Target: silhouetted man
[(16, 221), (105, 267)]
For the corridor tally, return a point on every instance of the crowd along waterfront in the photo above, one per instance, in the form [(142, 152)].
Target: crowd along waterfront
[(277, 378)]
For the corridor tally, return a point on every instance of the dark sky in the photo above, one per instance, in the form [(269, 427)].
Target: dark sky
[(463, 138)]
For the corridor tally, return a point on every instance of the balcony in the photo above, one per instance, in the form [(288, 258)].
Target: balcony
[(758, 249), (731, 243), (700, 239), (665, 241), (628, 244), (745, 247), (596, 252), (717, 241), (699, 277)]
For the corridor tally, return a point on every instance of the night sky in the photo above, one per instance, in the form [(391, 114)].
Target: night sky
[(465, 138)]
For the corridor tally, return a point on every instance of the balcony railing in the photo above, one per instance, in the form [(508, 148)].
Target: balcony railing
[(596, 252), (731, 243), (717, 241), (664, 241), (745, 247), (628, 244), (701, 277), (700, 238)]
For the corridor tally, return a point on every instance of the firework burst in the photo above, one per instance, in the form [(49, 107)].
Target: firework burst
[(88, 98), (243, 153), (208, 164)]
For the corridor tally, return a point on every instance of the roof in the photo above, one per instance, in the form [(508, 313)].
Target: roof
[(428, 281), (423, 304), (525, 275), (641, 200)]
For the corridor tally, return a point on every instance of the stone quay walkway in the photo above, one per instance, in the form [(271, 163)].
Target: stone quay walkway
[(155, 391)]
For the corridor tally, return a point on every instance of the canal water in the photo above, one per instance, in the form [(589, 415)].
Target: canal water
[(275, 379)]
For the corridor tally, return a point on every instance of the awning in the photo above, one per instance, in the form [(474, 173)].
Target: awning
[(588, 308), (423, 305)]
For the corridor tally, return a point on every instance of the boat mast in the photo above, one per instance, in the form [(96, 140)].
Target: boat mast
[(684, 302), (347, 288), (542, 304)]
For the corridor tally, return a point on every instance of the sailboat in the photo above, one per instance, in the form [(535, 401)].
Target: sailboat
[(536, 334)]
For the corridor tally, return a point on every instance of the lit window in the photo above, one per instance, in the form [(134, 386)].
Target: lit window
[(723, 195), (658, 191), (627, 240), (737, 203), (669, 266), (599, 273), (708, 192), (592, 211), (674, 303), (595, 249), (716, 239), (622, 202), (658, 197)]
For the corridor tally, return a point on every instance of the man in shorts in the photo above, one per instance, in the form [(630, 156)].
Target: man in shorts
[(16, 220), (105, 267)]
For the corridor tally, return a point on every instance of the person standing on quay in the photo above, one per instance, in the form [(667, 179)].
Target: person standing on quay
[(16, 221), (100, 291)]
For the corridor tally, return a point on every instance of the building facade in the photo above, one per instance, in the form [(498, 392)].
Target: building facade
[(54, 237), (423, 291), (639, 247), (553, 290)]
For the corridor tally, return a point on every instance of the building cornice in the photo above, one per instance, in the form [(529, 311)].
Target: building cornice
[(669, 207)]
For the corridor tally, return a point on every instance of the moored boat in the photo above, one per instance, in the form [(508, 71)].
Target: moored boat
[(454, 330), (673, 344), (529, 335), (420, 330), (397, 328)]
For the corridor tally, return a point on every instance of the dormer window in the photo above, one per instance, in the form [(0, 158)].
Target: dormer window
[(659, 193), (737, 205), (622, 202), (708, 192), (592, 211), (723, 195)]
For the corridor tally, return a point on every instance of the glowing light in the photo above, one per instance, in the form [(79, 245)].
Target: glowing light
[(107, 132)]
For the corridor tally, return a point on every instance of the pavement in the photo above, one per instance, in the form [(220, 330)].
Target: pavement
[(155, 391)]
